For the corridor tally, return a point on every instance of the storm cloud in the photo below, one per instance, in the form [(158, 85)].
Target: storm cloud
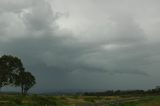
[(86, 45)]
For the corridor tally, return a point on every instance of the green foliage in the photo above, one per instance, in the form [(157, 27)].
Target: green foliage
[(63, 98), (42, 101), (18, 100), (75, 97), (26, 80), (12, 72), (9, 68), (90, 99)]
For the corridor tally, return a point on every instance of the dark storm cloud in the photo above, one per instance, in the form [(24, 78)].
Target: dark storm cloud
[(62, 60)]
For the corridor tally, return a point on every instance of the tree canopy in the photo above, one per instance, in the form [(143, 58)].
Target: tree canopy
[(26, 80), (12, 72)]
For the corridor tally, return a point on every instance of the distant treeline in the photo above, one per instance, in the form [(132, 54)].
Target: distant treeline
[(155, 91)]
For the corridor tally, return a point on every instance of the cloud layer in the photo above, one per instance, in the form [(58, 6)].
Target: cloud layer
[(104, 45)]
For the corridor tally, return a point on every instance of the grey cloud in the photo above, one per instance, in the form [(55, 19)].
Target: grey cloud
[(60, 59), (15, 6), (40, 17)]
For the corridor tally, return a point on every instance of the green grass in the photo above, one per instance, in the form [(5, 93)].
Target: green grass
[(40, 100), (146, 101)]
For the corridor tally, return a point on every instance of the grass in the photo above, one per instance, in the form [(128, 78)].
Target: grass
[(40, 100), (146, 101)]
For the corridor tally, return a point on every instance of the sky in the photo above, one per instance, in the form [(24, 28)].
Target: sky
[(84, 45)]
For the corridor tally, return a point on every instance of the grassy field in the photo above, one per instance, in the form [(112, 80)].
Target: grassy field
[(37, 100), (146, 101)]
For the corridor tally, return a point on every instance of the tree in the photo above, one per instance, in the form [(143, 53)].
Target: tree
[(10, 67), (25, 80), (29, 81), (12, 72)]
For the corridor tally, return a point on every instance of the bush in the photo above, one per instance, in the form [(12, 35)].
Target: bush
[(18, 100), (43, 100), (89, 99)]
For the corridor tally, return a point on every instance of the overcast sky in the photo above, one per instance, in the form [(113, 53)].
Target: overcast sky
[(84, 44)]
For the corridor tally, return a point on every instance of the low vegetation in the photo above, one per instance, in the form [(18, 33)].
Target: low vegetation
[(42, 100)]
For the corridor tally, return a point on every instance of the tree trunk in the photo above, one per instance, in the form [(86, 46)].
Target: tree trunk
[(1, 88), (22, 89)]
